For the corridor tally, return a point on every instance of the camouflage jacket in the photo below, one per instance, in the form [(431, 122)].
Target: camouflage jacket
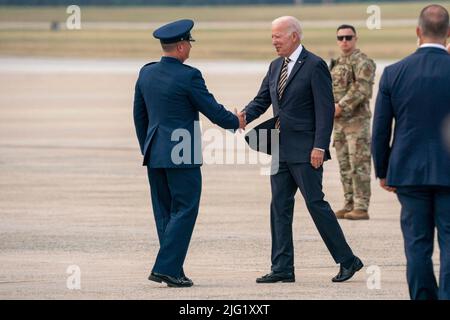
[(353, 78)]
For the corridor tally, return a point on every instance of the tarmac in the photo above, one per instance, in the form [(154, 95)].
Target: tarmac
[(74, 196)]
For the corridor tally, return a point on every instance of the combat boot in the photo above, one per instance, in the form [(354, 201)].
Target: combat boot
[(357, 214), (340, 214)]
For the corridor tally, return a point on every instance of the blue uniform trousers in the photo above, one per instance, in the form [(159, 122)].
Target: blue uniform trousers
[(175, 194)]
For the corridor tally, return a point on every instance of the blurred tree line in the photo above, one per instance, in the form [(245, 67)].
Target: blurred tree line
[(176, 2)]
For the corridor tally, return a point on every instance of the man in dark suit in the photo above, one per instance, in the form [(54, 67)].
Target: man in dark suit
[(298, 86), (168, 98), (416, 93)]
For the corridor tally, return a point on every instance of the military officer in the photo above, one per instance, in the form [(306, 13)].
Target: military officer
[(353, 76), (168, 98)]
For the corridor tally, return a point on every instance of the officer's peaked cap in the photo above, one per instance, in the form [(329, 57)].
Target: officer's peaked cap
[(175, 31)]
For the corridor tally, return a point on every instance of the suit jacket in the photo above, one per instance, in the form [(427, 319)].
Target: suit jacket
[(416, 93), (306, 109), (168, 98)]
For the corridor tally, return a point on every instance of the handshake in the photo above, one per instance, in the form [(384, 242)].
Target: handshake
[(242, 119)]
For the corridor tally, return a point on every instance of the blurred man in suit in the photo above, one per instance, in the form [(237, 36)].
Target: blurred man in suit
[(168, 98), (415, 92), (298, 86)]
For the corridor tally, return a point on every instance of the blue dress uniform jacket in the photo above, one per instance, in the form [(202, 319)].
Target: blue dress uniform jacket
[(169, 96)]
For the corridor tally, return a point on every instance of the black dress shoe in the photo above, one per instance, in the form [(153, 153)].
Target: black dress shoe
[(186, 279), (345, 274), (171, 281), (277, 277)]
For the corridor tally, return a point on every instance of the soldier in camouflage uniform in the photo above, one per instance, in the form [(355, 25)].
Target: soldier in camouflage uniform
[(353, 76)]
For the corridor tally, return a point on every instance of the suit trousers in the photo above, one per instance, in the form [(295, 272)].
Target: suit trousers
[(424, 209), (175, 194), (284, 185)]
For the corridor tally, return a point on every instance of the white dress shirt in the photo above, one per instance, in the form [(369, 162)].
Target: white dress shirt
[(433, 45), (294, 56)]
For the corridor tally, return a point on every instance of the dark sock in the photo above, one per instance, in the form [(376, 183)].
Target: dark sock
[(347, 263)]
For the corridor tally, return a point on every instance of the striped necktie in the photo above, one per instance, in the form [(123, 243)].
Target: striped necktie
[(282, 84), (283, 77)]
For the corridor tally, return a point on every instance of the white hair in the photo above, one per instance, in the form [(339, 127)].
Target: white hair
[(292, 23)]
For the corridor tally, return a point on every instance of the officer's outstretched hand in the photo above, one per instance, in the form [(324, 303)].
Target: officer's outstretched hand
[(241, 117)]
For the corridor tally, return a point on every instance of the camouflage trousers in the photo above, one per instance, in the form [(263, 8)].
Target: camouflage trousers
[(352, 143)]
